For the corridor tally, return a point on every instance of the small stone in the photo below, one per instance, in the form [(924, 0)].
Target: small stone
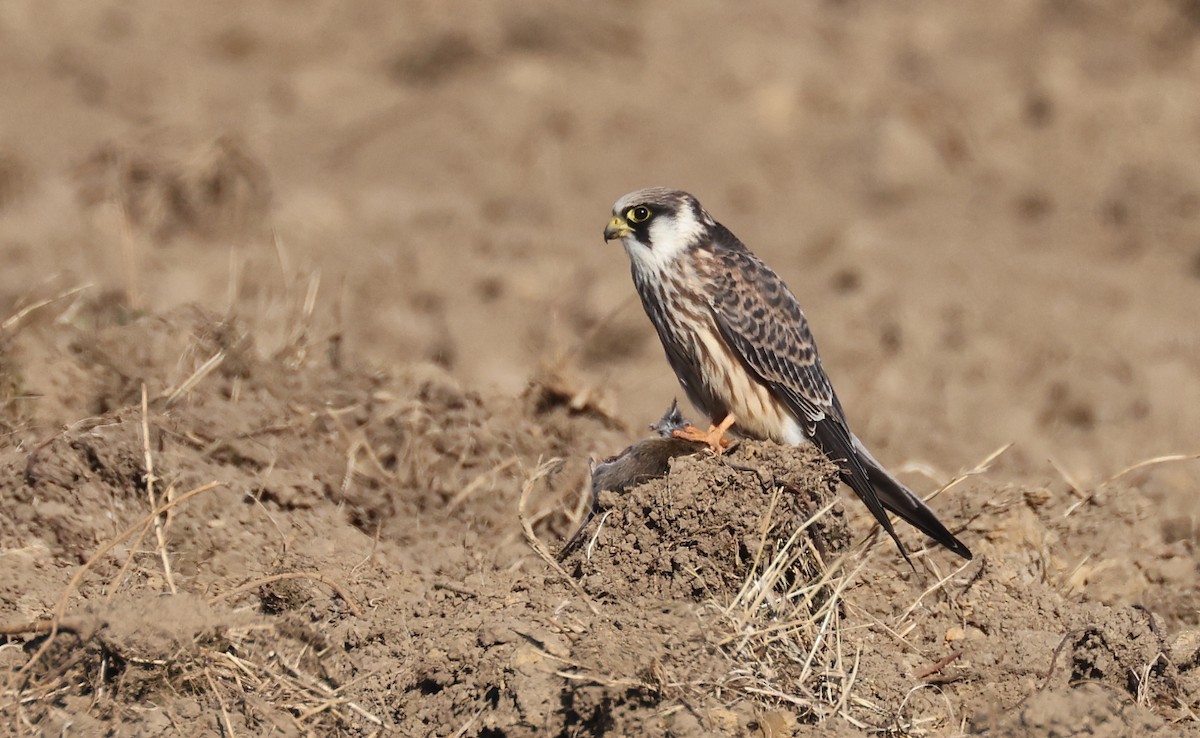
[(1185, 650)]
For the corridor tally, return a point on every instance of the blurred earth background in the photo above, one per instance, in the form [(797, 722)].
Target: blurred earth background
[(353, 251)]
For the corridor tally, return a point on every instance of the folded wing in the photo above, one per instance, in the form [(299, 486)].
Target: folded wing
[(760, 319)]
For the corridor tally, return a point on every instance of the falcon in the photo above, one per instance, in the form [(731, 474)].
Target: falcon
[(742, 349)]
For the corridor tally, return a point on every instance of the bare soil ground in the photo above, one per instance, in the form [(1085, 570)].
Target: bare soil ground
[(307, 336)]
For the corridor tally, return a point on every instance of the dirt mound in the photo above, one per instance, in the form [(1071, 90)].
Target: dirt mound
[(698, 533)]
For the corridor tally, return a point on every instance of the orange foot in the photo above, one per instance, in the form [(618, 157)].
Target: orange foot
[(714, 436)]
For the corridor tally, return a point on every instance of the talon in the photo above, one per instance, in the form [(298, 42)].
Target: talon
[(690, 432), (714, 437)]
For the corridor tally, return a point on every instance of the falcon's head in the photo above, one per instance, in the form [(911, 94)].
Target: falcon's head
[(656, 225)]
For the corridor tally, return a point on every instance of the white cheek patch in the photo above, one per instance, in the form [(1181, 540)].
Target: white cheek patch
[(675, 233), (670, 235)]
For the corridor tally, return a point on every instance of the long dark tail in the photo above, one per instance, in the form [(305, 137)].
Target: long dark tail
[(897, 498)]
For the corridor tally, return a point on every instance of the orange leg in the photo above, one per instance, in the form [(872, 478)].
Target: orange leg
[(714, 436)]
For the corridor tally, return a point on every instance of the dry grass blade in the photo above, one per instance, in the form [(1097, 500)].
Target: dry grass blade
[(827, 621), (542, 470), (1145, 463), (11, 322), (470, 722), (840, 707), (150, 480), (749, 582), (195, 378), (913, 726), (930, 590), (221, 702), (980, 468), (61, 606), (591, 544), (134, 547), (1168, 458), (1073, 483)]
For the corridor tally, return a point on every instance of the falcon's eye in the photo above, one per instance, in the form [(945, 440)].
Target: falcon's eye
[(640, 214)]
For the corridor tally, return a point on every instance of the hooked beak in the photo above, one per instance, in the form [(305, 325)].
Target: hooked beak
[(616, 228)]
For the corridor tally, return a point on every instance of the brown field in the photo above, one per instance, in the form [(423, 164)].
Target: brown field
[(348, 255)]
